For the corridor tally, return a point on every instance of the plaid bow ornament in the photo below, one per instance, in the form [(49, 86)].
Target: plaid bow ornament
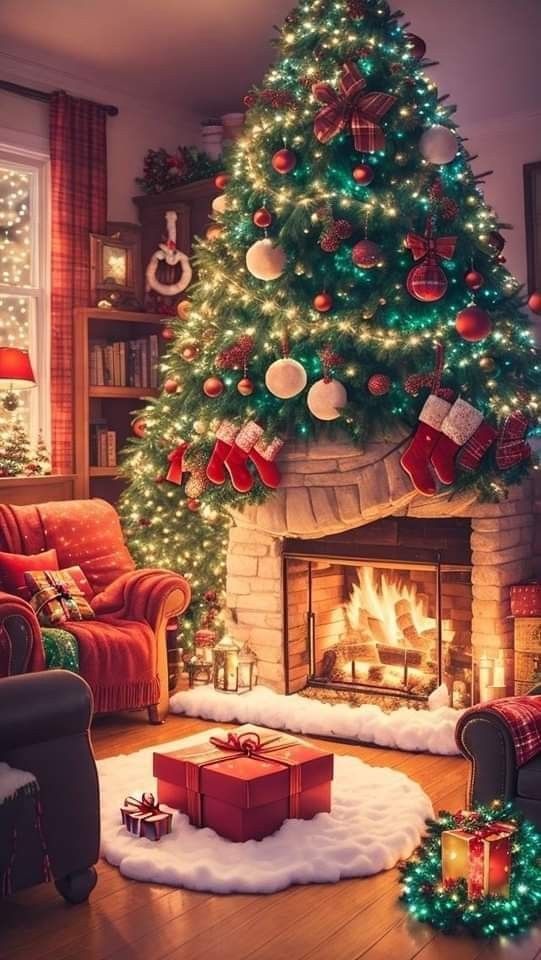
[(353, 108), (433, 248)]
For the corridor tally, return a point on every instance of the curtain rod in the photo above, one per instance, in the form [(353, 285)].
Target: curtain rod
[(31, 94)]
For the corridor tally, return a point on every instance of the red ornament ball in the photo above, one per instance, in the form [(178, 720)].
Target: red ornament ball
[(284, 161), (213, 387), (168, 334), (262, 218), (222, 180), (417, 46), (474, 280), (323, 302), (473, 324), (139, 427), (379, 384), (189, 352), (193, 504), (183, 309), (366, 254), (170, 385), (427, 282), (245, 387), (534, 302), (363, 173)]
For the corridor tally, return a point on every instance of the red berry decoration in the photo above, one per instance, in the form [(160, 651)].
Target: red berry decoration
[(245, 387), (284, 161), (170, 386), (379, 384), (343, 229), (363, 173), (534, 302), (262, 218), (366, 254), (213, 387), (222, 180), (474, 280), (417, 46), (473, 324), (193, 504), (168, 334), (330, 241), (323, 302)]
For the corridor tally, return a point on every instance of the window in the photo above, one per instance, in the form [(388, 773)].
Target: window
[(24, 276)]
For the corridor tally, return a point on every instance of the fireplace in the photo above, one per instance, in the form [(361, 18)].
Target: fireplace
[(385, 608), (346, 579)]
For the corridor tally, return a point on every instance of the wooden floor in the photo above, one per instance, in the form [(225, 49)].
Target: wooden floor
[(126, 920)]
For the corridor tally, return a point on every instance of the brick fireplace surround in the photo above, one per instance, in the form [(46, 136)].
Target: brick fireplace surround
[(329, 487)]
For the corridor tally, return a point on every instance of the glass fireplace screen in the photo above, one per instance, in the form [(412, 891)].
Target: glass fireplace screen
[(397, 628)]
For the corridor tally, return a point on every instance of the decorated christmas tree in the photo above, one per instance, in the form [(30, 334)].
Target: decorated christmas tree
[(354, 281)]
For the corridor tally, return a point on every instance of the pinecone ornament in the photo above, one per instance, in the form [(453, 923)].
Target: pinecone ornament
[(449, 209)]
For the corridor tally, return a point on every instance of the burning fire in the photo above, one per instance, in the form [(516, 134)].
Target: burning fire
[(390, 612)]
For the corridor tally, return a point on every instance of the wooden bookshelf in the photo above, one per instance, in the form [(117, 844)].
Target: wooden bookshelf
[(113, 404)]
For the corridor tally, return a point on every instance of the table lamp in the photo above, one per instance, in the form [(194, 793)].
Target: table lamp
[(16, 370)]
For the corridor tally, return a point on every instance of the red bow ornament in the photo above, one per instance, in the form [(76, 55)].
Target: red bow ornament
[(353, 108), (176, 463), (427, 281)]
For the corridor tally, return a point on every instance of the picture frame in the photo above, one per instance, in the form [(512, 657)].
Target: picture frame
[(112, 270), (532, 209)]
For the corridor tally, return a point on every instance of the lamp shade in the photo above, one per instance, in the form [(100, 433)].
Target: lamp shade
[(15, 367)]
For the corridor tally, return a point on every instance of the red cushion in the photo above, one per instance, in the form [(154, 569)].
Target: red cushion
[(13, 567)]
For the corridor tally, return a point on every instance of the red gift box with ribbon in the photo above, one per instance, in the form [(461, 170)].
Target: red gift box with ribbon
[(143, 818), (480, 855), (245, 784), (526, 600)]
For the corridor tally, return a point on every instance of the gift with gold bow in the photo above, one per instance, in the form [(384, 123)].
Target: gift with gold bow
[(245, 783), (480, 854), (352, 108), (145, 818)]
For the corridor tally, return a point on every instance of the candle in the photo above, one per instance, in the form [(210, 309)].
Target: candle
[(499, 671), (486, 676)]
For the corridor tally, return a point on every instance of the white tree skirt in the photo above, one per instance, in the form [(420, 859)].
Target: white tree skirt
[(378, 817), (431, 731)]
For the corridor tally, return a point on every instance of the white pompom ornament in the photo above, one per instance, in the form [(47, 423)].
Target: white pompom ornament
[(219, 204), (326, 398), (438, 145), (285, 378), (265, 261)]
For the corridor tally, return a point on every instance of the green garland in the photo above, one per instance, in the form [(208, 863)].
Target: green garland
[(166, 171), (451, 910)]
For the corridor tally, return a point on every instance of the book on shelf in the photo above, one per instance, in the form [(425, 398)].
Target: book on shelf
[(131, 363), (103, 445)]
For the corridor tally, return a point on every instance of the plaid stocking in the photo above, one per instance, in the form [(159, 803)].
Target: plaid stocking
[(511, 448), (459, 426), (473, 452)]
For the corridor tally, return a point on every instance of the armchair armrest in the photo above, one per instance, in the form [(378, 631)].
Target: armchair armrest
[(150, 595), (20, 630), (485, 741), (37, 707)]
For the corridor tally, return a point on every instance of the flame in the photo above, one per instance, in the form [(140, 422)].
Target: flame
[(368, 601)]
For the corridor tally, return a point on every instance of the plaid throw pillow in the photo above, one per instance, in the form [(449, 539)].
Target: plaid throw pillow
[(57, 597)]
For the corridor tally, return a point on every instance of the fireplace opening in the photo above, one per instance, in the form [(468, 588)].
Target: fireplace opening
[(383, 609)]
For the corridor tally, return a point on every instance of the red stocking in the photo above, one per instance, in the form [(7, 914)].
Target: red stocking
[(225, 438), (415, 459), (236, 460), (263, 457)]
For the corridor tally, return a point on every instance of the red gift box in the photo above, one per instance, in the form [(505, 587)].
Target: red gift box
[(526, 600), (246, 785), (144, 818), (483, 858)]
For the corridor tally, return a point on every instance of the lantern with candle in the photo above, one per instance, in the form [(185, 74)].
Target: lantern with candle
[(247, 669), (226, 665)]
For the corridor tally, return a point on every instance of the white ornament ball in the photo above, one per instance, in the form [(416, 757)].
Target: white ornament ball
[(219, 204), (326, 398), (438, 145), (265, 261), (285, 378)]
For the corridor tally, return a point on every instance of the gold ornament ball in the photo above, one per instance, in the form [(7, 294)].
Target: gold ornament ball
[(183, 309), (488, 364), (214, 232), (245, 387), (189, 352), (200, 427)]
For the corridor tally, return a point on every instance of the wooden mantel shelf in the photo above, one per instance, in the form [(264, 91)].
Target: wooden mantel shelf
[(25, 490)]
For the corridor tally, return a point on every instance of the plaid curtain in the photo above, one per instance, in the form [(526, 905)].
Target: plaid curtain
[(79, 207)]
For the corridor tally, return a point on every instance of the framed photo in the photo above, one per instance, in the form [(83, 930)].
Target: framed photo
[(112, 269), (532, 200)]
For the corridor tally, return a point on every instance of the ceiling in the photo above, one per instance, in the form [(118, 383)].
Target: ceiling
[(203, 56)]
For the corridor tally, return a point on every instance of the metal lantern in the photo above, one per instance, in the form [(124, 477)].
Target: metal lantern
[(226, 665), (247, 673), (199, 672)]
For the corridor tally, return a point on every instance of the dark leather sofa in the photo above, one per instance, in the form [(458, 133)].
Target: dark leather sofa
[(485, 741), (44, 729)]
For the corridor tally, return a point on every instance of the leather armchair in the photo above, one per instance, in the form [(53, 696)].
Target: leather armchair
[(132, 607), (44, 729), (485, 741)]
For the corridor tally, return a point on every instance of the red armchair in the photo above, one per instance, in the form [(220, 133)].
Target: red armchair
[(123, 652)]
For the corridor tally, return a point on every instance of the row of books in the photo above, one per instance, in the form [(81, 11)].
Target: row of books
[(126, 363), (103, 445)]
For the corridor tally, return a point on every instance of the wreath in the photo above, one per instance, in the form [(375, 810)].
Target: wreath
[(168, 253)]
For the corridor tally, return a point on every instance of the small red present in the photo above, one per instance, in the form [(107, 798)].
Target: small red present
[(481, 856), (526, 600), (245, 785), (144, 818)]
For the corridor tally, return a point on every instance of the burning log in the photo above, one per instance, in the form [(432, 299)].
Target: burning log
[(404, 620)]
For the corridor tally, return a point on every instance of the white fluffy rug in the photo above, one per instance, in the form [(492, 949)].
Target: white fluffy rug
[(430, 731), (377, 818)]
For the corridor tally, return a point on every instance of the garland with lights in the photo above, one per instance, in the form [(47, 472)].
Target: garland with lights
[(351, 225), (165, 171), (448, 907)]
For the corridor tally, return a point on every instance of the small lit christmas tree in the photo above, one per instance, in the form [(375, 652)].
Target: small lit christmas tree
[(354, 278), (14, 450)]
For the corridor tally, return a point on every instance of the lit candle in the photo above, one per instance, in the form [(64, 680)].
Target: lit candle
[(486, 676)]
